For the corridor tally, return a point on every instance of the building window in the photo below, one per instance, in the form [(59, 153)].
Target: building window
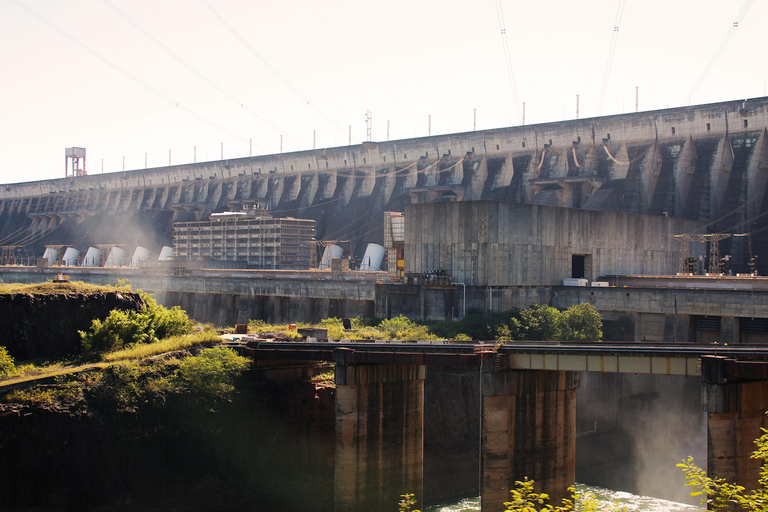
[(363, 160), (385, 158), (523, 143), (709, 127), (746, 123), (497, 146), (291, 167), (673, 130)]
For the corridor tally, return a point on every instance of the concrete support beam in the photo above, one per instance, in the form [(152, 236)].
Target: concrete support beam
[(735, 398), (529, 431), (379, 434)]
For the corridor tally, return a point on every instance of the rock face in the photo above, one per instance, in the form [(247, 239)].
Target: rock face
[(269, 446), (46, 324)]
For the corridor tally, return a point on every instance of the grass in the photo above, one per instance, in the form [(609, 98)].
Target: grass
[(326, 378), (28, 372), (169, 344), (56, 288)]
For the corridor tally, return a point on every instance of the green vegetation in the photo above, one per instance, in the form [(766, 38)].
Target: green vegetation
[(7, 365), (536, 323), (126, 385), (715, 493), (213, 371), (718, 494), (170, 344), (125, 328), (58, 288), (407, 503)]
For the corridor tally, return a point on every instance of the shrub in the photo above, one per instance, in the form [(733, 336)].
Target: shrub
[(335, 327), (213, 371), (540, 323), (581, 323), (401, 328), (151, 323), (7, 366)]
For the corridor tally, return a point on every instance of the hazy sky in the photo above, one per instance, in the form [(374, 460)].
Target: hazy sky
[(125, 78)]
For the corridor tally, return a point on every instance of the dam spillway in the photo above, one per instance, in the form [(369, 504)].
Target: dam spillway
[(704, 162)]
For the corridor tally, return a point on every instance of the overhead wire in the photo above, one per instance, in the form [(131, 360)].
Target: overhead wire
[(719, 50), (611, 53), (244, 42), (192, 69), (508, 58), (85, 47)]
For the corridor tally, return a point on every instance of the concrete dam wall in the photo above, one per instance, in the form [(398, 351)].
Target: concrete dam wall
[(706, 163)]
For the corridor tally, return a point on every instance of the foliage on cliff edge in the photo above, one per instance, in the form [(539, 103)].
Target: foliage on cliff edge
[(151, 323)]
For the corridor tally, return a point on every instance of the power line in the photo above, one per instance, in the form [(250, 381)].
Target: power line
[(264, 61), (189, 66), (611, 53), (719, 51), (119, 69), (507, 57)]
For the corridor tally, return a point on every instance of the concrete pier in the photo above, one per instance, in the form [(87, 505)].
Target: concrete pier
[(379, 434), (735, 397), (529, 430)]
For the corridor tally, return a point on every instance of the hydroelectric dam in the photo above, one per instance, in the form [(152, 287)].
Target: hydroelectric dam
[(705, 162)]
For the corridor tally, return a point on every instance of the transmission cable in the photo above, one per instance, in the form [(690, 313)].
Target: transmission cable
[(190, 67), (264, 61), (83, 46), (611, 53), (508, 58), (719, 51)]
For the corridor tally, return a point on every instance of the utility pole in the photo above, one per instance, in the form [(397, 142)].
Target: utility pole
[(474, 119), (637, 98), (350, 135), (194, 154), (387, 129), (577, 106), (222, 151), (281, 144), (368, 125), (314, 139), (429, 125), (169, 158), (523, 113)]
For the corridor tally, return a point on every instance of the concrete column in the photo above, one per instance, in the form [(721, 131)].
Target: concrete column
[(729, 329), (379, 434), (735, 398), (529, 430)]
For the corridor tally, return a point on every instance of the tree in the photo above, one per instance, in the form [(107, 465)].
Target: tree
[(7, 366), (581, 322), (719, 494), (539, 323)]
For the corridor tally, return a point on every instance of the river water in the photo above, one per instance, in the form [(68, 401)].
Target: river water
[(630, 502)]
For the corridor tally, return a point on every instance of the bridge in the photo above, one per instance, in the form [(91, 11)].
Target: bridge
[(528, 411)]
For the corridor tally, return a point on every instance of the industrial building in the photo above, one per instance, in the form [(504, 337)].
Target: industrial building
[(257, 240), (499, 243)]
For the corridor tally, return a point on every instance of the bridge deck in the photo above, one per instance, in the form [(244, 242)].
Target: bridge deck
[(658, 359)]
